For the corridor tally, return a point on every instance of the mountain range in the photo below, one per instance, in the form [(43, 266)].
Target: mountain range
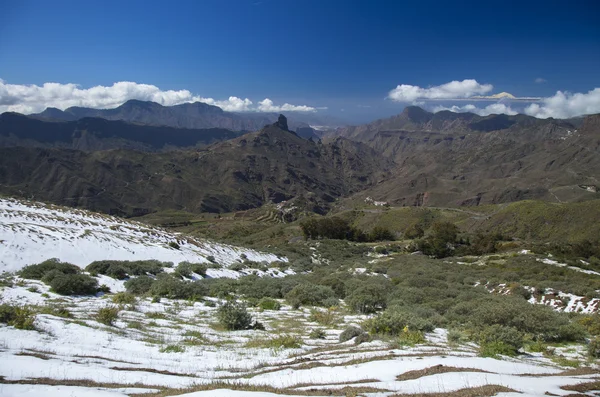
[(416, 158), (271, 165), (197, 115)]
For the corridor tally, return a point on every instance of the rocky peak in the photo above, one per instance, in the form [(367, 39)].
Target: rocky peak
[(282, 123)]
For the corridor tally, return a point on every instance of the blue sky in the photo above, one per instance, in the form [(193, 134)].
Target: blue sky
[(336, 54)]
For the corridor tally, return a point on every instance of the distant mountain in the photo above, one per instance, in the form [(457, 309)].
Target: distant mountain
[(195, 115), (271, 165), (92, 134), (450, 159)]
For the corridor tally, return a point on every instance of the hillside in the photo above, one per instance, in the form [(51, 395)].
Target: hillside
[(31, 232), (91, 134), (271, 165), (448, 159)]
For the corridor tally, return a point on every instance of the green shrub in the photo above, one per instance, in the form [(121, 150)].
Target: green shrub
[(591, 322), (349, 333), (172, 349), (454, 336), (324, 317), (269, 304), (362, 338), (173, 288), (414, 231), (410, 338), (19, 317), (55, 310), (121, 269), (381, 234), (107, 315), (367, 298), (280, 342), (317, 333), (174, 244), (594, 348), (252, 286), (308, 294), (37, 272), (493, 349), (234, 316), (139, 285), (74, 284), (238, 266), (394, 320), (499, 339), (124, 298), (185, 269)]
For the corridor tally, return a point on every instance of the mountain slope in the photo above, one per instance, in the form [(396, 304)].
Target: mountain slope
[(99, 134), (271, 165), (32, 232), (450, 159)]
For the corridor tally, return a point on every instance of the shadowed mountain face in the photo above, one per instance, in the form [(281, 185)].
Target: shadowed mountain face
[(271, 165), (452, 159), (195, 115), (92, 134)]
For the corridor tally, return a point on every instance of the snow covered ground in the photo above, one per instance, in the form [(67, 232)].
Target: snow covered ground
[(176, 345), (31, 232)]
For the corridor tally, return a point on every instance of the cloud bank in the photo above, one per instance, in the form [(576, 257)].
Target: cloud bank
[(496, 108), (561, 105), (452, 90), (33, 98)]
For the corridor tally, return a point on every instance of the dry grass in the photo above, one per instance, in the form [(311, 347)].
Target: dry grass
[(154, 371), (481, 391), (583, 387), (34, 354), (75, 382), (266, 389), (437, 369)]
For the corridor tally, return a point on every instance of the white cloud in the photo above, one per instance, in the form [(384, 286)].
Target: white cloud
[(452, 90), (565, 105), (33, 98), (540, 80), (495, 108), (266, 105), (233, 104)]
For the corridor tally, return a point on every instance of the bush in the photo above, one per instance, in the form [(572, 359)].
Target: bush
[(349, 333), (280, 342), (317, 333), (17, 316), (308, 294), (173, 288), (107, 315), (367, 298), (362, 338), (74, 284), (410, 338), (121, 269), (185, 269), (37, 272), (174, 244), (269, 304), (414, 231), (498, 339), (234, 316), (393, 321), (381, 234), (139, 285), (124, 298), (594, 348), (324, 317)]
